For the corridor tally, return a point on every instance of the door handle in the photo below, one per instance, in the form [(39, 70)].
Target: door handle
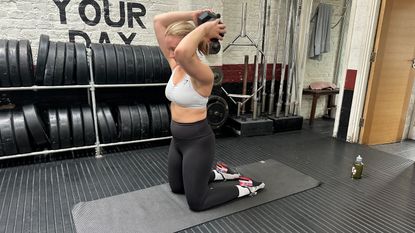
[(413, 63)]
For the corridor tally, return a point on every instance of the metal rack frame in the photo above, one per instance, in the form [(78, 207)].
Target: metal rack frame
[(92, 98)]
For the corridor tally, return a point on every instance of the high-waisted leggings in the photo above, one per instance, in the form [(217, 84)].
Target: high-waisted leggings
[(190, 161)]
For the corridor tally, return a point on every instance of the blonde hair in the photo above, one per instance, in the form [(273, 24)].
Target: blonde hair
[(181, 29)]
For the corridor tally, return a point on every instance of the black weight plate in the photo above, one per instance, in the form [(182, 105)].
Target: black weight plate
[(148, 63), (88, 123), (64, 128), (35, 125), (77, 126), (59, 64), (50, 65), (53, 128), (145, 121), (155, 120), (217, 76), (217, 111), (20, 132), (26, 63), (104, 133), (120, 63), (98, 61), (139, 64), (13, 59), (157, 65), (129, 64), (124, 123), (165, 120), (110, 123), (4, 65), (166, 71), (68, 77), (42, 55), (7, 135), (82, 71), (110, 63), (135, 121)]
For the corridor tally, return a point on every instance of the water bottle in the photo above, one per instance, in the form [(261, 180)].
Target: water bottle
[(357, 168)]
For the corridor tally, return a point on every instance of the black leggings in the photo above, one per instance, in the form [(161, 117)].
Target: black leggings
[(190, 163)]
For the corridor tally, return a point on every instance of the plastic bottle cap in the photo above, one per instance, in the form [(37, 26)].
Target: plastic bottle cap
[(359, 158)]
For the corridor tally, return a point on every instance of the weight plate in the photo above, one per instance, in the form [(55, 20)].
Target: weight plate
[(82, 71), (26, 63), (110, 63), (53, 128), (145, 121), (124, 123), (217, 111), (59, 64), (68, 77), (35, 125), (88, 123), (166, 71), (98, 61), (64, 128), (13, 59), (139, 64), (155, 120), (129, 64), (50, 65), (77, 126), (104, 134), (217, 76), (157, 65), (110, 123), (4, 65), (42, 55), (20, 132), (165, 120), (135, 121), (7, 135), (120, 63), (148, 64)]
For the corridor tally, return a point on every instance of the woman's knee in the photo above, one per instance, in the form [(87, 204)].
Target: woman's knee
[(196, 204), (176, 189)]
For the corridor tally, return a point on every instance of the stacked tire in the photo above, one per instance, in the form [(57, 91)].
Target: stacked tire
[(16, 63), (128, 64), (60, 63)]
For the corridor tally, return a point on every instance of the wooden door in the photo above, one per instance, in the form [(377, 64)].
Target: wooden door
[(392, 75)]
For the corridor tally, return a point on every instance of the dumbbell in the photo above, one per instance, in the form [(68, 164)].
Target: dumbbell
[(214, 46)]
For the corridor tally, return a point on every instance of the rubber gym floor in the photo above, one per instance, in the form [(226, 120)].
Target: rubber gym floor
[(36, 195)]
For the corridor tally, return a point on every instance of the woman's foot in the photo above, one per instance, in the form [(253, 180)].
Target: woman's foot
[(225, 172), (250, 185)]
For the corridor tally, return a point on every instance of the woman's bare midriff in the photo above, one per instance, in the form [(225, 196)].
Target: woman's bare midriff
[(187, 115)]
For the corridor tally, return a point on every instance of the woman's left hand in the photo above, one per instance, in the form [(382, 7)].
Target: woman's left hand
[(215, 29)]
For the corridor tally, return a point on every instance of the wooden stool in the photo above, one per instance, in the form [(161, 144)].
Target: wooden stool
[(316, 94)]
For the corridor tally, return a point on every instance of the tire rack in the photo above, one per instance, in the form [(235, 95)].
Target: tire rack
[(91, 97)]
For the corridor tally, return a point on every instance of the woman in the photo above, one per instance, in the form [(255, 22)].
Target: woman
[(191, 151)]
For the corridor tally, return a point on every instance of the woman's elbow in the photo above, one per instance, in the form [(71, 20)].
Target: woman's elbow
[(181, 55)]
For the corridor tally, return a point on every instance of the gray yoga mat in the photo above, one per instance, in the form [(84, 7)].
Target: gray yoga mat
[(157, 210)]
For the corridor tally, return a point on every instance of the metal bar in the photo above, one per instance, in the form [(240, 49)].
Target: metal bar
[(245, 80), (223, 89), (46, 152), (94, 105), (43, 87), (274, 64), (243, 20), (286, 53), (264, 69), (135, 141), (129, 85), (292, 58)]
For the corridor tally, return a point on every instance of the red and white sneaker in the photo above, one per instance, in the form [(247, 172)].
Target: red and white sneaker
[(226, 172), (252, 185)]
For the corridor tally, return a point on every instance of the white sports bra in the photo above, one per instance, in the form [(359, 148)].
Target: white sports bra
[(184, 94)]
